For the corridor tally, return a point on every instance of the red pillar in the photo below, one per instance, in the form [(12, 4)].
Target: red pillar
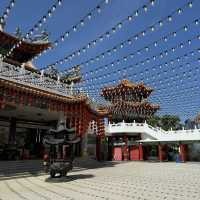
[(125, 148), (110, 148), (160, 153), (182, 152), (100, 134), (110, 119), (98, 147), (140, 152), (12, 131)]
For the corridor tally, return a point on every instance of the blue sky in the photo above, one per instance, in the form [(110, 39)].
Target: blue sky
[(176, 85)]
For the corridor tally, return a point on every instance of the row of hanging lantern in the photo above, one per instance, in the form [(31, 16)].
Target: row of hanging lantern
[(81, 23), (176, 78), (106, 34), (192, 75), (163, 107), (156, 26), (179, 95), (171, 94), (7, 12), (192, 108), (158, 56), (149, 77), (173, 90), (179, 108), (184, 101), (168, 80), (163, 93), (35, 28), (163, 65), (165, 104), (189, 110), (174, 93), (165, 83)]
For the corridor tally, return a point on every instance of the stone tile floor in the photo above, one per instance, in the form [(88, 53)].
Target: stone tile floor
[(116, 181)]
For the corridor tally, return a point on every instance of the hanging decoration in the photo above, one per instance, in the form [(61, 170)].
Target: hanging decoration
[(6, 13), (129, 41), (158, 56), (80, 24)]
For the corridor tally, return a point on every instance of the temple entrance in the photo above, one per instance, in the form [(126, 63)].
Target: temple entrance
[(172, 152), (134, 152), (150, 152), (117, 153), (28, 144), (33, 147)]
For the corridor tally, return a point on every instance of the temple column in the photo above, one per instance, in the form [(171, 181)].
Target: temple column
[(12, 131), (110, 150), (110, 119), (98, 147), (182, 152), (140, 152), (160, 153), (84, 144), (2, 102), (125, 138), (100, 134)]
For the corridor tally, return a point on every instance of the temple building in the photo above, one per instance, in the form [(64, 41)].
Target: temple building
[(129, 137), (33, 101), (128, 103)]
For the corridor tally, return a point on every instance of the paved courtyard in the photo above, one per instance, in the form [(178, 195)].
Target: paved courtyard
[(111, 181)]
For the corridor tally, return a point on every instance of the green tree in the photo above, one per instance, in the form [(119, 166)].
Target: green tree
[(166, 122), (170, 121), (154, 121)]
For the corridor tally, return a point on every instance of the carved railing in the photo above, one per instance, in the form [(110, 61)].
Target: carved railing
[(157, 133)]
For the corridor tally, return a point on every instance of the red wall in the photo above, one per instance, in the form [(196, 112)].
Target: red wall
[(134, 153)]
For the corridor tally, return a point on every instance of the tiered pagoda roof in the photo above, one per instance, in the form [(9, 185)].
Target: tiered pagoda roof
[(127, 91), (129, 100), (25, 52)]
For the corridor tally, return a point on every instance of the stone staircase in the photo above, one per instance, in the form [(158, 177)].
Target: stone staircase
[(23, 168), (20, 168)]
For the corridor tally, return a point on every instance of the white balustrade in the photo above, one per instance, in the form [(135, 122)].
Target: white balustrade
[(152, 133)]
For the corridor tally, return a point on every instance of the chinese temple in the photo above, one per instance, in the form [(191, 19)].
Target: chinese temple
[(32, 102), (131, 138), (128, 103)]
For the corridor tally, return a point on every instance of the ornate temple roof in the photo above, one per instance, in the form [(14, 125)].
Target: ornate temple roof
[(129, 99), (25, 52), (127, 91), (134, 107), (35, 91)]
